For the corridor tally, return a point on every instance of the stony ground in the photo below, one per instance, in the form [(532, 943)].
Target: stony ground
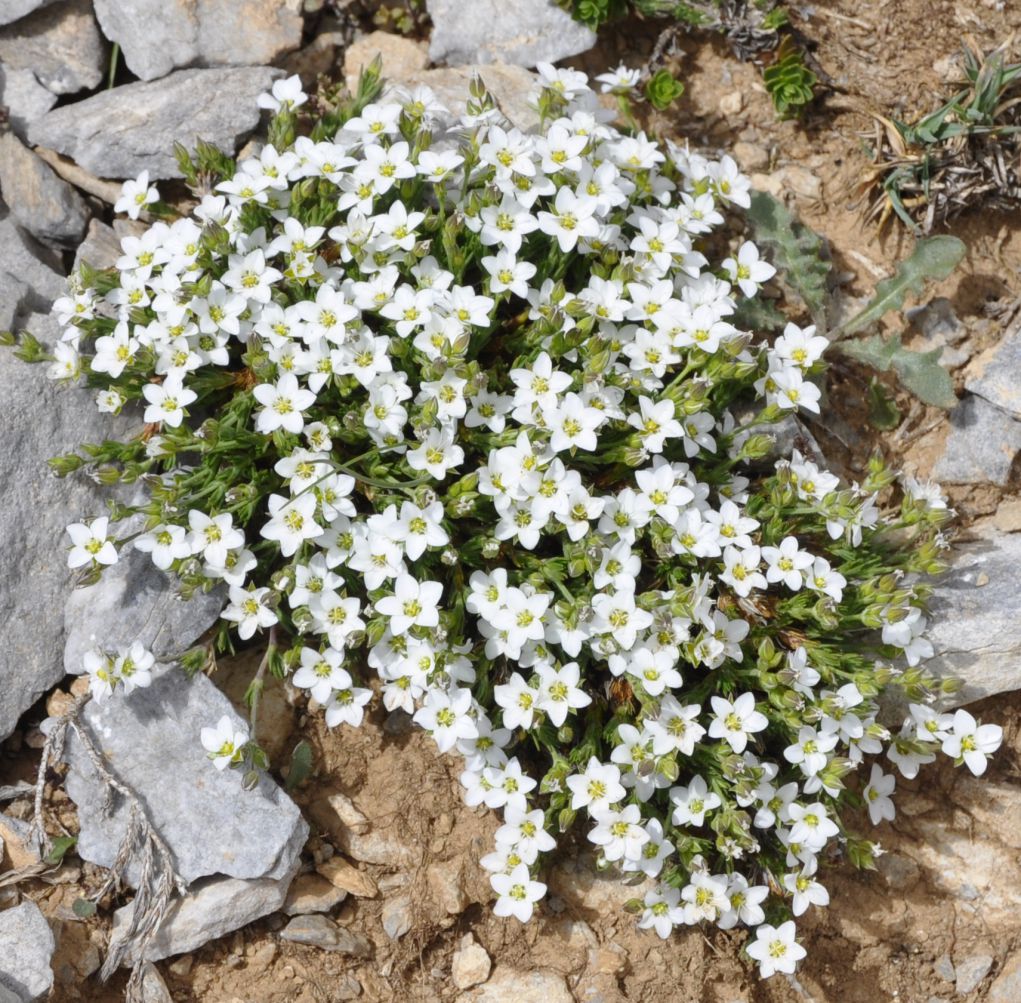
[(388, 902)]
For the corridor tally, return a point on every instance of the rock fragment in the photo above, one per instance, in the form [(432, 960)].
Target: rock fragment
[(471, 964), (397, 916), (60, 43), (971, 971), (311, 893), (321, 932), (974, 627), (26, 947), (213, 907), (24, 98), (1006, 987), (343, 874), (523, 33), (151, 738), (121, 132), (44, 419), (401, 57), (157, 36), (511, 985), (981, 445), (993, 376), (14, 10), (40, 200)]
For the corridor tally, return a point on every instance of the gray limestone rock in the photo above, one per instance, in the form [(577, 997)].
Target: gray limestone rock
[(25, 259), (26, 947), (981, 446), (974, 627), (212, 908), (971, 971), (135, 601), (39, 419), (157, 36), (212, 826), (397, 916), (12, 10), (322, 932), (121, 132), (39, 199), (524, 33), (996, 375), (60, 44), (24, 98)]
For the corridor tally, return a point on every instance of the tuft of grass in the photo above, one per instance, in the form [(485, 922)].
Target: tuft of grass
[(960, 157)]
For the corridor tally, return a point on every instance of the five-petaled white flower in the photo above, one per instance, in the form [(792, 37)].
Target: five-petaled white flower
[(89, 543), (775, 949), (136, 195), (225, 743)]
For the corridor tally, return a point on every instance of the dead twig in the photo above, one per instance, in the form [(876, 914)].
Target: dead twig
[(157, 880)]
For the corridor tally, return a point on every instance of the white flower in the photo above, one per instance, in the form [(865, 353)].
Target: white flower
[(787, 563), (805, 889), (619, 832), (927, 493), (133, 666), (749, 271), (446, 716), (775, 949), (693, 803), (571, 219), (213, 536), (517, 893), (518, 701), (437, 454), (655, 423), (114, 352), (248, 609), (524, 830), (810, 750), (800, 346), (336, 616), (971, 742), (413, 604), (877, 795), (619, 616), (286, 95), (136, 195), (822, 578), (745, 903), (347, 706), (103, 677), (89, 543), (662, 911), (167, 401), (292, 522), (741, 570), (735, 721), (597, 788), (812, 827), (166, 543), (225, 743), (559, 692), (622, 80), (791, 390), (676, 728), (321, 673), (282, 405)]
